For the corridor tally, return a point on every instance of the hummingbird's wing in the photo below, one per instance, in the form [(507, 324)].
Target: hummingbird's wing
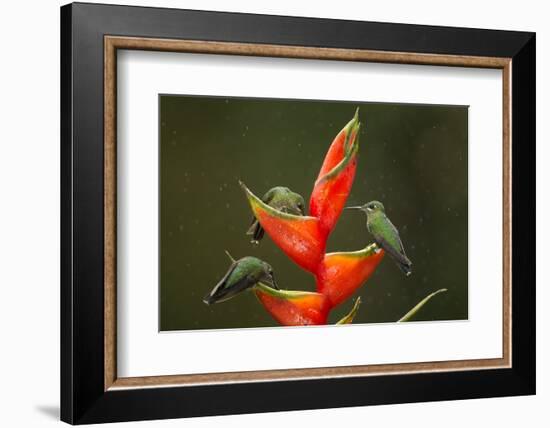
[(397, 238), (266, 199), (399, 256), (390, 241), (229, 286), (222, 282)]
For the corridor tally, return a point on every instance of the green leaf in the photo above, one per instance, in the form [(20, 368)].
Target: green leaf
[(348, 319), (414, 310)]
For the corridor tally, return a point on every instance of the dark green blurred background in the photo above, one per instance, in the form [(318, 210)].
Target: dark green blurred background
[(413, 158)]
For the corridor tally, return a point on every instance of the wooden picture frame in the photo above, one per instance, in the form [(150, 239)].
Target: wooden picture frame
[(91, 390)]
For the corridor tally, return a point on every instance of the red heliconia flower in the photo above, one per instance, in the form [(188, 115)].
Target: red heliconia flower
[(294, 308), (303, 239), (341, 274)]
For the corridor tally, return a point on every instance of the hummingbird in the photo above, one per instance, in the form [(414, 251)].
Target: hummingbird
[(385, 233), (243, 274), (282, 199)]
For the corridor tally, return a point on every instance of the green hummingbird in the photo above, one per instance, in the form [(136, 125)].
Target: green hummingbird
[(385, 233), (282, 199), (243, 274)]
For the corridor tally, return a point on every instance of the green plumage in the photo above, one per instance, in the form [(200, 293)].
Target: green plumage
[(241, 275), (385, 234)]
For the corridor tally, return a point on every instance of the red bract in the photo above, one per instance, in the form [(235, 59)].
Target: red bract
[(335, 179), (303, 239), (295, 308), (341, 274), (298, 236)]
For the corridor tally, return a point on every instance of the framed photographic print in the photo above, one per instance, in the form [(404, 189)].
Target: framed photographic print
[(273, 213)]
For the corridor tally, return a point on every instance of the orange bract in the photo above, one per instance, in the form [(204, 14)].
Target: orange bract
[(298, 236), (341, 274), (329, 198), (309, 309)]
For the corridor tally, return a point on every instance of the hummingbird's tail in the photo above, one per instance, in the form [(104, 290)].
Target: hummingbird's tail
[(208, 300), (406, 267)]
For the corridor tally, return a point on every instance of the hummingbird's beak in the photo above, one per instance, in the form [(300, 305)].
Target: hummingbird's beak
[(353, 208)]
